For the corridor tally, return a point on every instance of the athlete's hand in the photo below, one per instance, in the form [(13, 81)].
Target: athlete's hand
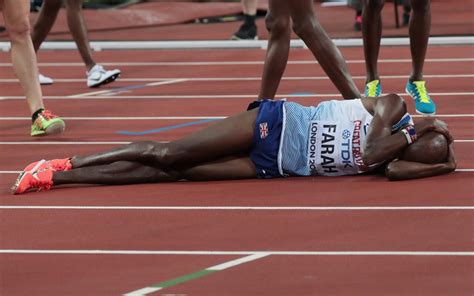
[(428, 124), (451, 161)]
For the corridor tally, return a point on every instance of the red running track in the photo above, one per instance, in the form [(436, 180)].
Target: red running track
[(231, 230)]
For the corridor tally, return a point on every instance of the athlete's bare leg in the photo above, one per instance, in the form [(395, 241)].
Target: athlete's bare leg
[(249, 7), (16, 16), (371, 34), (420, 24), (127, 172), (278, 23), (45, 21), (77, 27), (307, 27), (231, 136)]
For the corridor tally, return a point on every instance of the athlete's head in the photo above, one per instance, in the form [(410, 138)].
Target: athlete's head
[(431, 148)]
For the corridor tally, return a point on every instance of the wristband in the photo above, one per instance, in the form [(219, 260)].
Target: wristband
[(410, 133)]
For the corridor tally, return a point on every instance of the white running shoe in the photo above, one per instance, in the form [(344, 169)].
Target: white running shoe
[(98, 76), (44, 80)]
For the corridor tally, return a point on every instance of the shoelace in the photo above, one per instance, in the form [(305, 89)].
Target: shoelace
[(424, 98), (46, 114), (372, 88)]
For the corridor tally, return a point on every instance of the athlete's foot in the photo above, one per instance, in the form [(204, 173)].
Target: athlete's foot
[(45, 80), (98, 76), (46, 123), (358, 23), (373, 88), (56, 165), (37, 180), (423, 103), (246, 32)]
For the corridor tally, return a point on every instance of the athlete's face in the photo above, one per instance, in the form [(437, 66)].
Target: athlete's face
[(431, 148)]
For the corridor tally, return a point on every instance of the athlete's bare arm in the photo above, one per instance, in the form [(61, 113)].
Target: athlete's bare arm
[(380, 144), (404, 170)]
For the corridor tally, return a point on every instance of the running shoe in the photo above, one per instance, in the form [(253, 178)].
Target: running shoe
[(358, 23), (45, 80), (373, 88), (47, 124), (35, 180), (423, 103), (246, 32), (56, 165), (98, 76)]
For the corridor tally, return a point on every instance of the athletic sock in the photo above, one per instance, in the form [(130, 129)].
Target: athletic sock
[(249, 20), (35, 115)]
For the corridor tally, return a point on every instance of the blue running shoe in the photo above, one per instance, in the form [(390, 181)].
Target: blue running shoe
[(373, 88), (423, 103)]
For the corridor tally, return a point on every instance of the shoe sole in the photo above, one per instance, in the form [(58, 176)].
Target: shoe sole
[(55, 129), (106, 81), (17, 182)]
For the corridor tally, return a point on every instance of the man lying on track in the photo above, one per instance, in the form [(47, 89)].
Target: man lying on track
[(275, 139)]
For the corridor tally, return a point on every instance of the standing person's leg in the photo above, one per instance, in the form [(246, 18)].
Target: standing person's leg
[(77, 27), (371, 34), (278, 25), (420, 25), (96, 74), (357, 6), (45, 21), (16, 16), (248, 30), (419, 29), (307, 27)]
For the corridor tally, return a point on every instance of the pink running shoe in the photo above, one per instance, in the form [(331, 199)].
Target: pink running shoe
[(57, 165), (33, 180)]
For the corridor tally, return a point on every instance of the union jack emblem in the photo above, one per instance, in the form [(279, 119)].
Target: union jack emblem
[(263, 130)]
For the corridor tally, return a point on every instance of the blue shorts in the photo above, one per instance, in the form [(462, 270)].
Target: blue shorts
[(266, 139)]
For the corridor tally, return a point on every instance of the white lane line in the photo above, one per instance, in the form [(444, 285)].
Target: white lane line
[(241, 96), (238, 63), (243, 208), (159, 79), (217, 253), (115, 143), (238, 261), (143, 291), (111, 91), (184, 117)]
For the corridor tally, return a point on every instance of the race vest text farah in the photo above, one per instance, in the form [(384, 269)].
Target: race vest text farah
[(334, 148)]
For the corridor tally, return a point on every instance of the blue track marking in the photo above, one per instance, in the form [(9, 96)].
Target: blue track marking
[(166, 128)]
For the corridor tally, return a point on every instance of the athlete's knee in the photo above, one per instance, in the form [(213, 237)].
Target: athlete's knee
[(158, 154), (396, 99), (19, 31), (304, 26), (277, 25)]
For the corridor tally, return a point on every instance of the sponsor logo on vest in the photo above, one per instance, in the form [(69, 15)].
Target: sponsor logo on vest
[(356, 147), (345, 149)]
